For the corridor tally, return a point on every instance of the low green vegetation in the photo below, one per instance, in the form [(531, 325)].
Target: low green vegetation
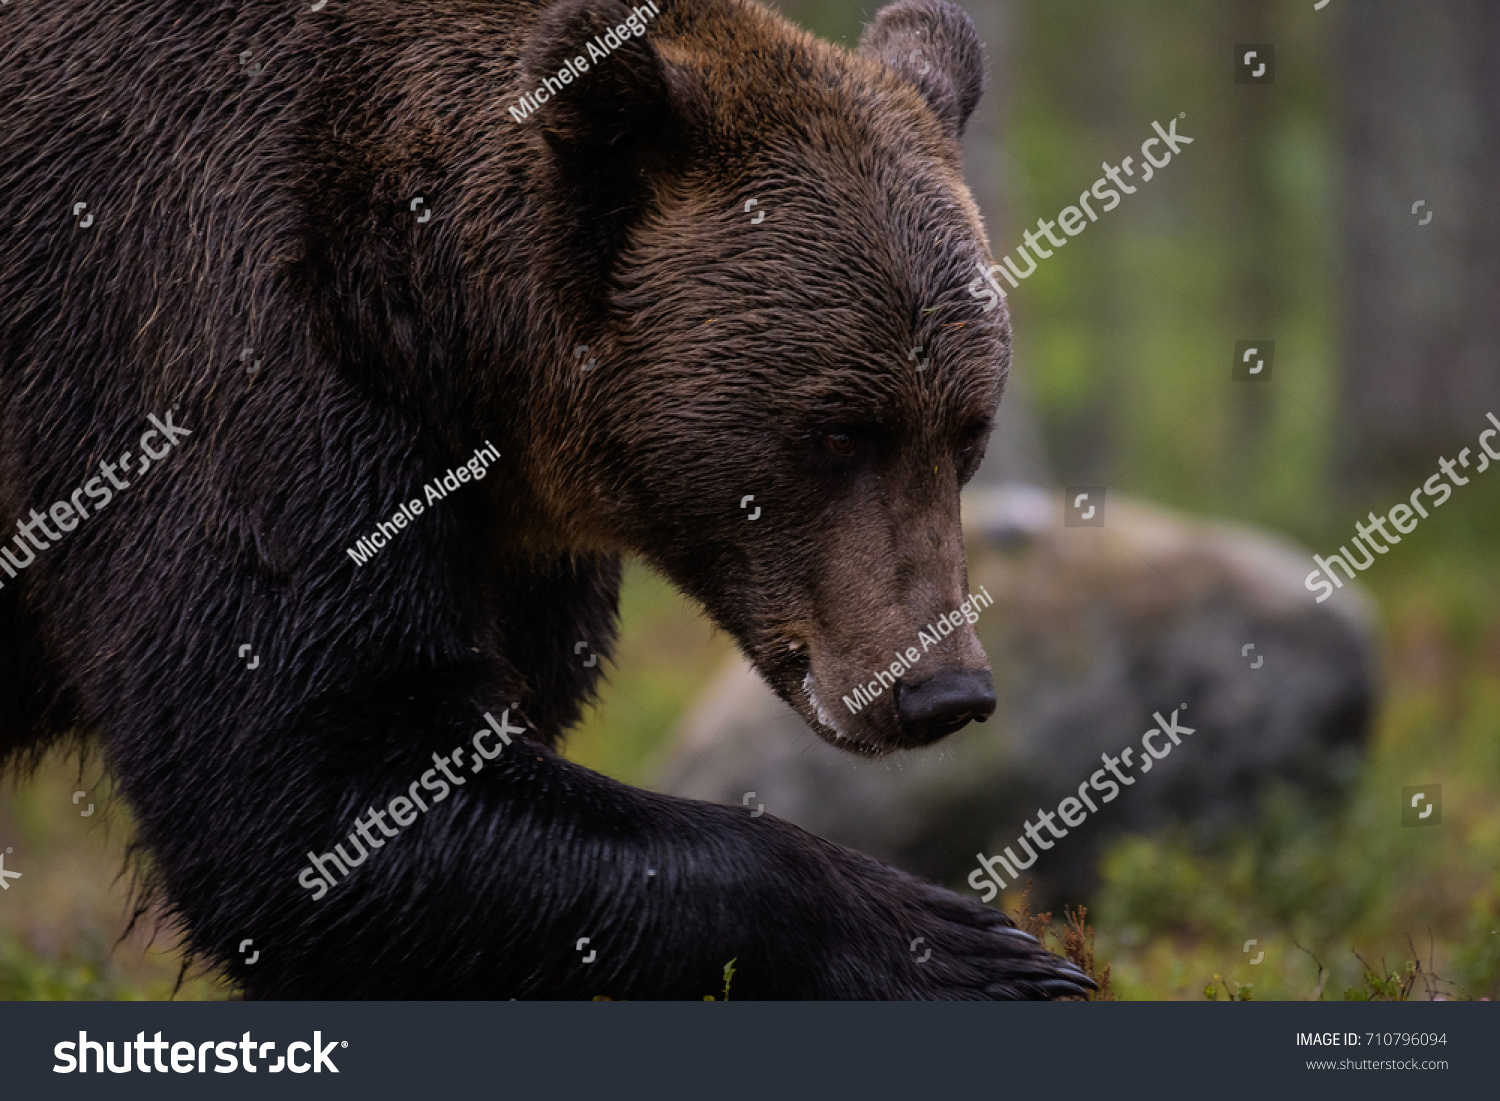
[(1321, 894)]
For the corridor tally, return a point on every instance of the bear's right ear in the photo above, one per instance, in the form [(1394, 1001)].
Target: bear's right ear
[(615, 110), (933, 44)]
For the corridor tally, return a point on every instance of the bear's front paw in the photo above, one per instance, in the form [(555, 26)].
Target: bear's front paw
[(941, 945)]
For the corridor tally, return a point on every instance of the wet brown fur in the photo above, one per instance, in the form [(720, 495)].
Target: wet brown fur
[(266, 204)]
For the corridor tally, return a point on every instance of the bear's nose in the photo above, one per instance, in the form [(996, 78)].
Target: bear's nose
[(943, 703)]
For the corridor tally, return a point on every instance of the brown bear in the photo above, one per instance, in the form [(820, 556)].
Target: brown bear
[(346, 351)]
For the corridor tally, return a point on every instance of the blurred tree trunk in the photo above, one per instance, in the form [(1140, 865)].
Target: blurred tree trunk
[(1422, 350), (1255, 217), (1017, 450)]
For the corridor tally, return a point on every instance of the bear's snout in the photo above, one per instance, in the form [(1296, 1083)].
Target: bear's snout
[(943, 703)]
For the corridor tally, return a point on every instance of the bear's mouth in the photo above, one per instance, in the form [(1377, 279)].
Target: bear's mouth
[(826, 722), (793, 678)]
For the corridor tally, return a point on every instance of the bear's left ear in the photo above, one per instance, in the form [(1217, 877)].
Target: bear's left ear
[(616, 106), (934, 45)]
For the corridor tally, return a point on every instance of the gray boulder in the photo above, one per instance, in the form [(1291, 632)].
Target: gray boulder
[(1094, 631)]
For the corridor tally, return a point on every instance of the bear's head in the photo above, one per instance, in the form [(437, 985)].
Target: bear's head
[(789, 375)]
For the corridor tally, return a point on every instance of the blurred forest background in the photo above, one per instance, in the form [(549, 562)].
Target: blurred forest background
[(1289, 218)]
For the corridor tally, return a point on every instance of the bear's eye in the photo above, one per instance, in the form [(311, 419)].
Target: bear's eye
[(840, 444), (974, 437), (971, 451), (842, 447)]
